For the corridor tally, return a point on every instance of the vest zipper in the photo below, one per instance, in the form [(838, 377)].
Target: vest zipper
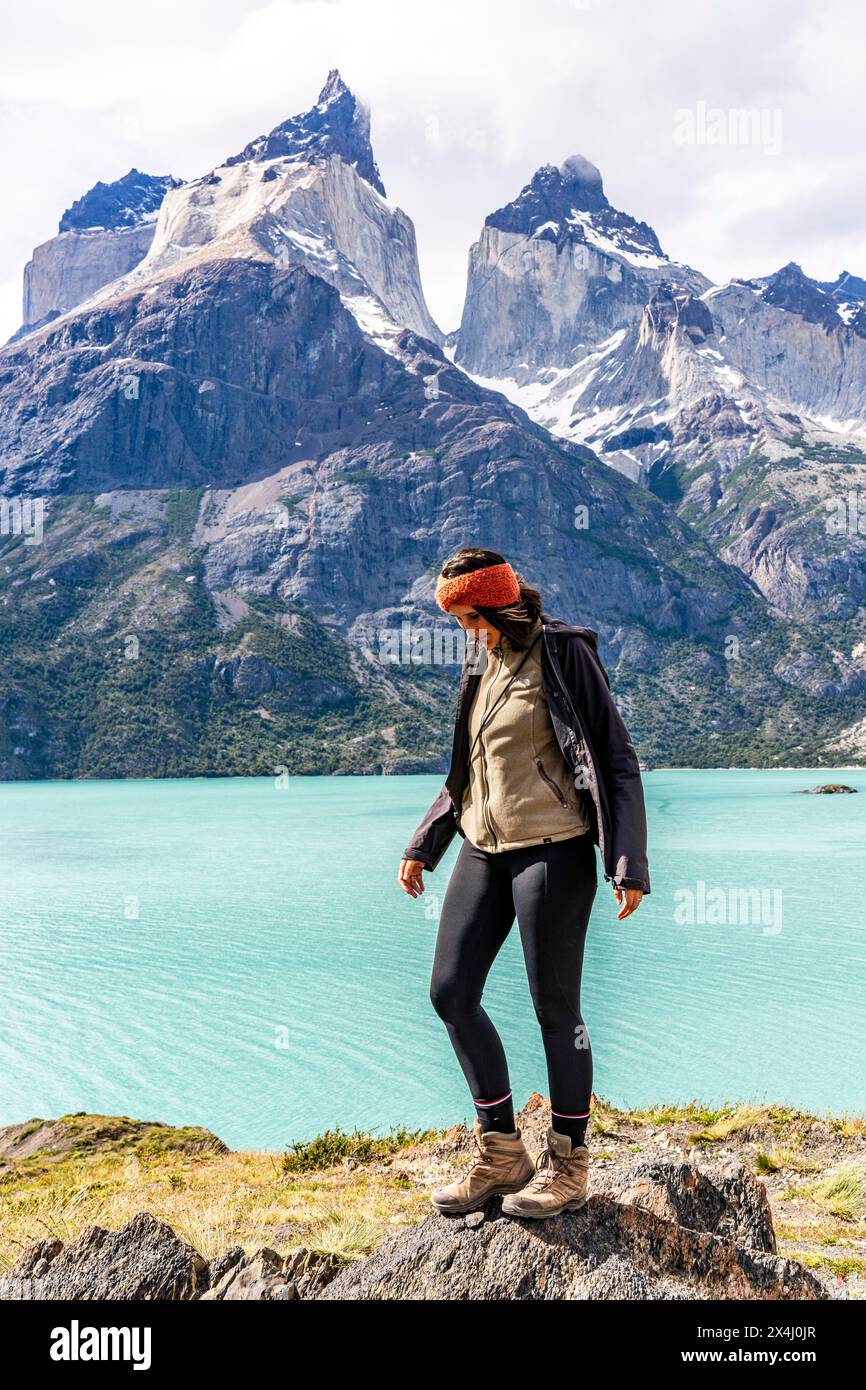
[(485, 790), (550, 782), (485, 800)]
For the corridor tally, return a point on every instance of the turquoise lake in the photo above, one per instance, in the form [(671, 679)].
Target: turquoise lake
[(238, 955)]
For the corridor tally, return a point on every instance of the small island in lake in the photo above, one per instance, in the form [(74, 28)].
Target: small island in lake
[(826, 790)]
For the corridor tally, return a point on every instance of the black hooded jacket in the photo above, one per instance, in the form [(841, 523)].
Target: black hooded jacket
[(594, 742)]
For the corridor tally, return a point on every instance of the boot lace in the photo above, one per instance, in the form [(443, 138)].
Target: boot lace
[(547, 1166), (481, 1159)]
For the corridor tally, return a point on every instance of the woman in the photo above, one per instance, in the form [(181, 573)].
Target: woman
[(542, 770)]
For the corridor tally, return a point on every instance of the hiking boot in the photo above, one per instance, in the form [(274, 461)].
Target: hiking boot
[(502, 1164), (559, 1183)]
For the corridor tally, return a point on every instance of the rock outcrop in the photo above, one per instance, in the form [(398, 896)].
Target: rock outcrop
[(143, 1260), (829, 789), (676, 1210), (673, 1232), (266, 1275), (729, 1202)]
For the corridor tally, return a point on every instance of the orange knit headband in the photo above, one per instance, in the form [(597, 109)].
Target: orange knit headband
[(492, 586)]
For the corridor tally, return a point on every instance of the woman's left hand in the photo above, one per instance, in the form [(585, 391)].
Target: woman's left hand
[(628, 899)]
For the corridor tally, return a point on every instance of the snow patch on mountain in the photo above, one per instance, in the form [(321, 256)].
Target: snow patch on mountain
[(614, 242)]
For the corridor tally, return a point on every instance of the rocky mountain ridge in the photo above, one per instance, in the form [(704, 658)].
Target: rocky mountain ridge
[(269, 486), (134, 198), (709, 395), (253, 454)]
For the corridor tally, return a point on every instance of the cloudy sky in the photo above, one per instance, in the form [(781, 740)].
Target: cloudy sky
[(467, 99)]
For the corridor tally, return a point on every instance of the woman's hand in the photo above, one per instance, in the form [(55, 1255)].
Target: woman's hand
[(628, 899), (410, 877)]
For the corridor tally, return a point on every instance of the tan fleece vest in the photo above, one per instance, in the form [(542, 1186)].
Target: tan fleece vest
[(520, 789)]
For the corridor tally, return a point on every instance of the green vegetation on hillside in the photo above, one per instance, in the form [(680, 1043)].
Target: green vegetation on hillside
[(116, 661)]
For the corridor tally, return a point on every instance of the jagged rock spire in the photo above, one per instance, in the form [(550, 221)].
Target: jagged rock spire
[(337, 124), (333, 89)]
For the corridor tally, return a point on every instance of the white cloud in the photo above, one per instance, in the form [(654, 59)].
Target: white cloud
[(468, 98)]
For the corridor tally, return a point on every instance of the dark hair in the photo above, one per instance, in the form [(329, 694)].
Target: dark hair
[(513, 619)]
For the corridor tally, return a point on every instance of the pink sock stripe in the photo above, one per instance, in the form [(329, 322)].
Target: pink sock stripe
[(583, 1116), (485, 1104)]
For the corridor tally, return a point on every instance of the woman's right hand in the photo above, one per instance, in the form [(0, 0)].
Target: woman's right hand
[(410, 877)]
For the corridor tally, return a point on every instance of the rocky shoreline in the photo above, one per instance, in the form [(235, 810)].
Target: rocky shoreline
[(755, 1203)]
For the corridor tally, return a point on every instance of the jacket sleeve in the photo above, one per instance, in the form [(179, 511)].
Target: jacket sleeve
[(588, 680), (435, 832)]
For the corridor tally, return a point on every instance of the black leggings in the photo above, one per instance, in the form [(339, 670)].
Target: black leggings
[(551, 889)]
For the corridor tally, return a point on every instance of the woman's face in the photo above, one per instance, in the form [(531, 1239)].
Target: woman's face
[(473, 623)]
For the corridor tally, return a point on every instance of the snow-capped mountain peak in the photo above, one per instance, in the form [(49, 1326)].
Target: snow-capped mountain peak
[(576, 314), (568, 203), (555, 272), (553, 193), (307, 194), (337, 124)]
